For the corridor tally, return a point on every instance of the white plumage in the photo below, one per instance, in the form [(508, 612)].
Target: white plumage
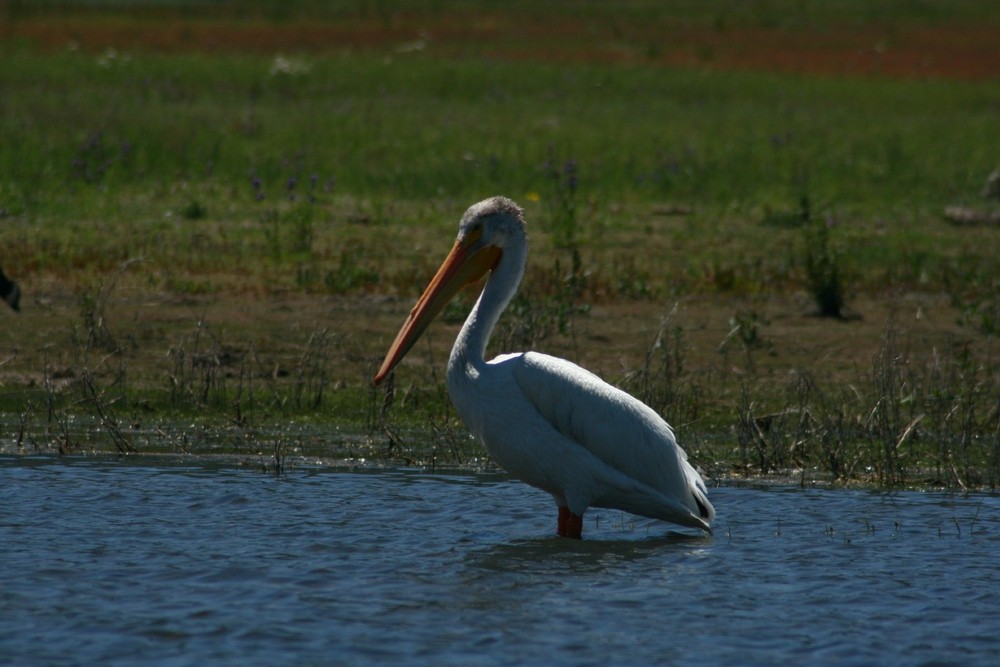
[(545, 420)]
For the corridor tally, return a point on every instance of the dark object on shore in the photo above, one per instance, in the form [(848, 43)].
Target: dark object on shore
[(991, 191), (9, 291), (970, 215), (967, 215)]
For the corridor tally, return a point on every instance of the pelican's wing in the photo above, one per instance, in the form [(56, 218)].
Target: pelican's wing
[(615, 427)]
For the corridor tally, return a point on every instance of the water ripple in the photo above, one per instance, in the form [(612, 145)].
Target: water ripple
[(107, 561)]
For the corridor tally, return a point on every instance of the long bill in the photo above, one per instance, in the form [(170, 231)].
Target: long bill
[(465, 264)]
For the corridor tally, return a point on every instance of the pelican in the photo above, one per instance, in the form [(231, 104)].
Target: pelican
[(545, 420)]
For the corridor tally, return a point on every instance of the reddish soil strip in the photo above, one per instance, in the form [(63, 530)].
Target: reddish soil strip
[(968, 52)]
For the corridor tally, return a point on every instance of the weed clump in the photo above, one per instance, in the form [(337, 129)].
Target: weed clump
[(821, 262)]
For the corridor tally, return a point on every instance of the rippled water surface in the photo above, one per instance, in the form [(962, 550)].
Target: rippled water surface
[(200, 562)]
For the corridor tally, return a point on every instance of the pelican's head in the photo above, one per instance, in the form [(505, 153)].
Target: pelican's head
[(486, 229), (494, 221)]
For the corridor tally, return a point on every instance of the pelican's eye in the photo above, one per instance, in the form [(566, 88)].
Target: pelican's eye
[(474, 233)]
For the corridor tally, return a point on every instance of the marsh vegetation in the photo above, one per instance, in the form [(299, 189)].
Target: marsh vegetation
[(218, 217)]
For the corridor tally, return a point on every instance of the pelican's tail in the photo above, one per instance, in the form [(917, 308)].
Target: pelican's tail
[(699, 494)]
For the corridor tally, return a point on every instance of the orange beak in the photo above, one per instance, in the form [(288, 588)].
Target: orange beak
[(464, 265)]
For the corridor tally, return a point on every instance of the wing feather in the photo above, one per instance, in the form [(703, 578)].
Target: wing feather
[(618, 429)]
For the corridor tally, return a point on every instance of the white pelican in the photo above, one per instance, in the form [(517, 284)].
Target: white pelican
[(545, 420)]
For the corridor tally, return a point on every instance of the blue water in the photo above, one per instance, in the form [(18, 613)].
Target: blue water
[(167, 562)]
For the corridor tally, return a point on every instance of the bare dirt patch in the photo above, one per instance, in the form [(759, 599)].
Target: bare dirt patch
[(957, 51), (613, 339)]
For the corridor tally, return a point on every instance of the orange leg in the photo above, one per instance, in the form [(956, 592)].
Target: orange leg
[(570, 525)]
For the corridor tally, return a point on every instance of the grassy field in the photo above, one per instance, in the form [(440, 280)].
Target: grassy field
[(220, 214)]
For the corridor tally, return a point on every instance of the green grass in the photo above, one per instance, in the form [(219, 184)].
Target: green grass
[(102, 162), (74, 130)]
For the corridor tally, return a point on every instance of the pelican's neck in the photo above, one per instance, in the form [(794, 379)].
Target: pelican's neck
[(470, 346)]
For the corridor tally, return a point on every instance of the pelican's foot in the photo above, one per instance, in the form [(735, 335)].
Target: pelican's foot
[(570, 525)]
